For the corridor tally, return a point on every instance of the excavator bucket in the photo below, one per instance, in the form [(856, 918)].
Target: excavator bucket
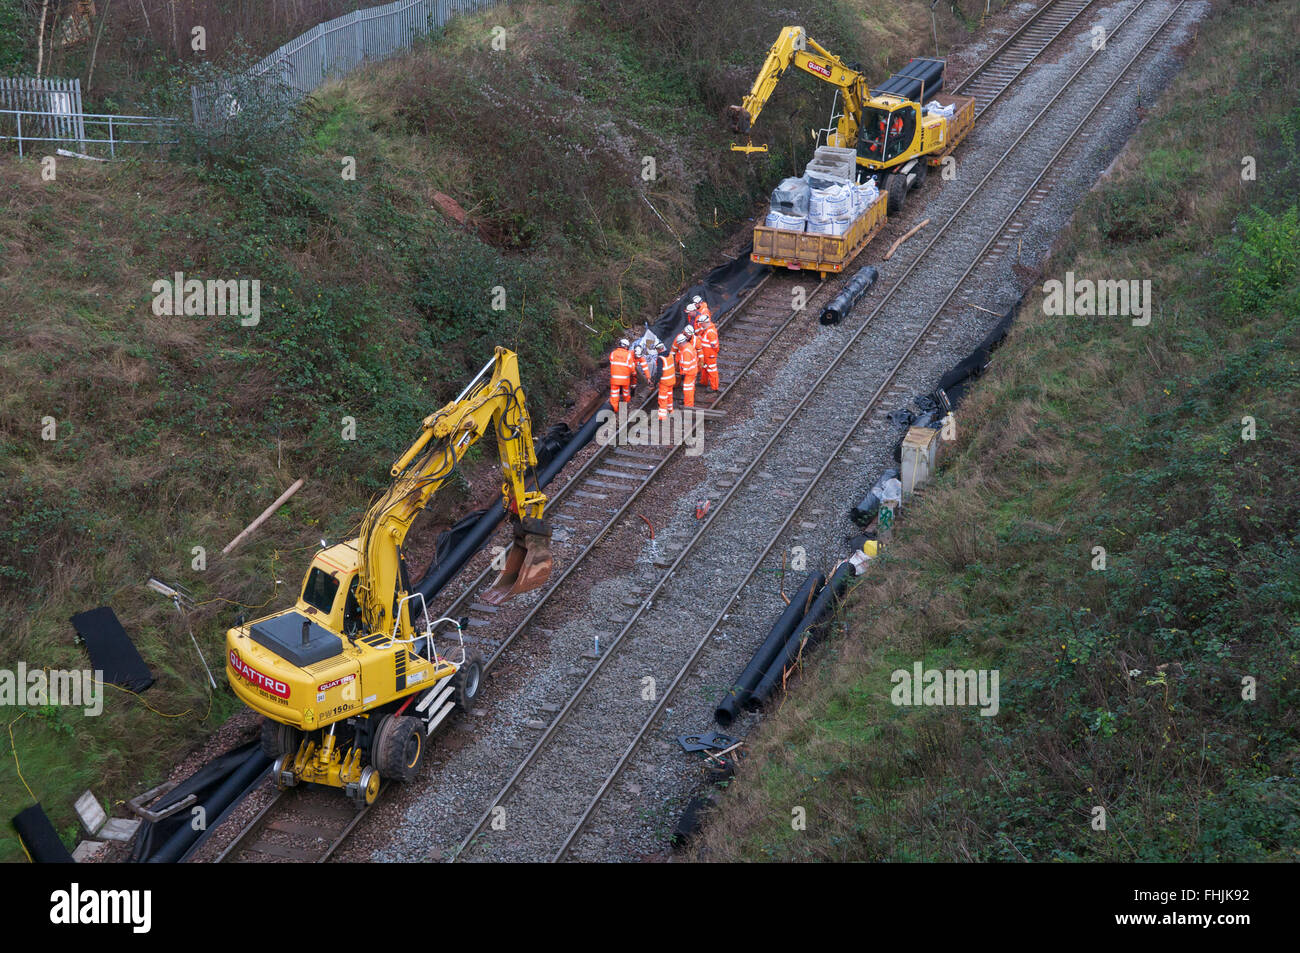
[(528, 564)]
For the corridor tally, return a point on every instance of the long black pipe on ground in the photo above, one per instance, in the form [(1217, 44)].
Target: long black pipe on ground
[(739, 693), (829, 593), (843, 303)]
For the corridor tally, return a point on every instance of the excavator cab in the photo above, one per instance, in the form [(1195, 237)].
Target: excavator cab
[(887, 133), (528, 562)]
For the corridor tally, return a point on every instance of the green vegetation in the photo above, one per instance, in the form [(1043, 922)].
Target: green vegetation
[(172, 432), (1162, 688)]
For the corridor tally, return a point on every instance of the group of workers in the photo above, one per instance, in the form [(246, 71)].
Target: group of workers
[(694, 353)]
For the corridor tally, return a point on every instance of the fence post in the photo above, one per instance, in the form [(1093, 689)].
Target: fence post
[(112, 149), (19, 114)]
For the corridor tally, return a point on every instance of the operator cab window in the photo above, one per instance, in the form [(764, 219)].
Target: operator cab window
[(887, 134), (320, 590)]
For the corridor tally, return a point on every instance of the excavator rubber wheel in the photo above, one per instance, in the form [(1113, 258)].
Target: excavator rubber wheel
[(398, 751), (467, 682), (896, 186), (922, 170), (278, 739)]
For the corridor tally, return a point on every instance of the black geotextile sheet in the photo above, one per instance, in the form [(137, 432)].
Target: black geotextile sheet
[(39, 838), (111, 649), (955, 382), (203, 784), (721, 288)]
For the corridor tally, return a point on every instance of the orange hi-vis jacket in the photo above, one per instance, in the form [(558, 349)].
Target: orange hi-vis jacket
[(707, 339), (669, 374), (686, 360), (620, 367)]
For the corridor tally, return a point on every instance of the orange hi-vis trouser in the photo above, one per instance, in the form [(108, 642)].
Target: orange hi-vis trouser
[(688, 366), (621, 376), (666, 382), (708, 350)]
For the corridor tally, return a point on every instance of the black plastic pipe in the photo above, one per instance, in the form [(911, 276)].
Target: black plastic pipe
[(739, 693), (829, 593), (843, 303)]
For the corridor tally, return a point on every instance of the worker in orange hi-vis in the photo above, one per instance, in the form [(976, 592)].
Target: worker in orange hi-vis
[(702, 307), (622, 373), (706, 346), (667, 378), (686, 364)]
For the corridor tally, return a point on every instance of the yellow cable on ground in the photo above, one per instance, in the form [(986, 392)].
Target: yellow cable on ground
[(13, 746), (163, 713)]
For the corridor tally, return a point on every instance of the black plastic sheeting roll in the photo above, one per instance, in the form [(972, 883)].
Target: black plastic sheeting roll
[(843, 302), (39, 838), (829, 593), (739, 693), (218, 786), (921, 73)]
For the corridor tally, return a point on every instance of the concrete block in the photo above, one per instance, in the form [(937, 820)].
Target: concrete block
[(92, 813), (119, 829)]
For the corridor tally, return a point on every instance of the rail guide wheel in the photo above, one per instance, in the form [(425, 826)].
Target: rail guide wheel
[(364, 792), (282, 771)]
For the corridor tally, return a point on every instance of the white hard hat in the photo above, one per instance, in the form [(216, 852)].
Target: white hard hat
[(681, 339), (690, 309), (688, 331), (624, 342), (697, 299)]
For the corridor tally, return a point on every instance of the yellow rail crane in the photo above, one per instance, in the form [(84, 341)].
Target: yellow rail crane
[(894, 136), (350, 680)]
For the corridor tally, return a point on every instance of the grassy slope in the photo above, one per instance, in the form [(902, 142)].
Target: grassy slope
[(1120, 688), (175, 432)]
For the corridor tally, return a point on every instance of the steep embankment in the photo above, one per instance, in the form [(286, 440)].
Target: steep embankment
[(1161, 684), (171, 432)]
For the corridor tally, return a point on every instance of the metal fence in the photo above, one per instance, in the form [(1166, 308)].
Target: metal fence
[(52, 108), (332, 49), (44, 116), (96, 136)]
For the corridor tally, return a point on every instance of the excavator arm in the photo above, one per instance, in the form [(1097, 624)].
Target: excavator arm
[(795, 47), (494, 399)]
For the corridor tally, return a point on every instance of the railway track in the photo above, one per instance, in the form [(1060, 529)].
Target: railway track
[(303, 826), (545, 806), (613, 479), (999, 71)]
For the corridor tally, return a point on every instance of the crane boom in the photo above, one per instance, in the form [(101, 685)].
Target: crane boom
[(794, 47)]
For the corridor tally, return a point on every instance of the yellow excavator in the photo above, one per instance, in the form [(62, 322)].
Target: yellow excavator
[(894, 136), (351, 680)]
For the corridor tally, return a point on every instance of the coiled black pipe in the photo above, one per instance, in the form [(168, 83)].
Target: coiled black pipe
[(843, 303), (739, 693), (829, 593)]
